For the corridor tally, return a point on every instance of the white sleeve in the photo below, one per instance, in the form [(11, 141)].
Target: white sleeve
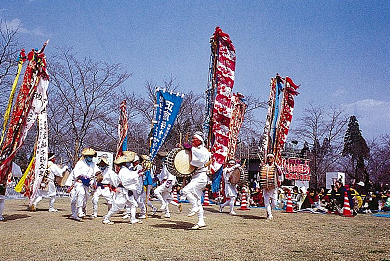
[(200, 156), (57, 171)]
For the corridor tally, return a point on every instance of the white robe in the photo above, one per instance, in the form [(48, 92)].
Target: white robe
[(230, 189), (54, 170)]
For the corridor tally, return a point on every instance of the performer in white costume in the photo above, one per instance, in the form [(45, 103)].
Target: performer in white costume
[(270, 177), (103, 184), (140, 196), (126, 185), (164, 191), (48, 188), (80, 181), (230, 189), (194, 190)]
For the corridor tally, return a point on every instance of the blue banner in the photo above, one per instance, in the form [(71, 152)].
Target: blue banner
[(167, 108), (216, 181), (279, 88), (124, 144)]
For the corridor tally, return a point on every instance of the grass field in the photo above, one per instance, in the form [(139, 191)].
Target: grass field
[(44, 235)]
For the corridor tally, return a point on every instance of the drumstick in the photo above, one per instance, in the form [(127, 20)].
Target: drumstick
[(208, 163), (180, 139)]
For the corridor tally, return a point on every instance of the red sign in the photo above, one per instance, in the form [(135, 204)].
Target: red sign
[(296, 169)]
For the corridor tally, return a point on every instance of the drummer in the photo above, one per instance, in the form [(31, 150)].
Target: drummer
[(230, 189), (194, 190), (270, 179), (48, 190)]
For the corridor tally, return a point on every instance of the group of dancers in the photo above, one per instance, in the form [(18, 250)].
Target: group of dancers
[(130, 188)]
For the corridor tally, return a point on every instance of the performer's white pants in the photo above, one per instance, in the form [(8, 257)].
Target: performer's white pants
[(79, 197), (163, 193), (51, 201), (270, 198), (106, 193), (140, 198), (2, 200), (193, 192), (122, 199), (229, 202)]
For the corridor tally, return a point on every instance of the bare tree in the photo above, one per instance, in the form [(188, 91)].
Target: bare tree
[(378, 163), (323, 131), (83, 103), (9, 51)]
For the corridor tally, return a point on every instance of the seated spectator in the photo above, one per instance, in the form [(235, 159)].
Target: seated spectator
[(311, 199), (257, 198), (386, 206), (301, 197)]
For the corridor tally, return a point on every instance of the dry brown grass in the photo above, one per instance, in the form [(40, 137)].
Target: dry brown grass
[(248, 236)]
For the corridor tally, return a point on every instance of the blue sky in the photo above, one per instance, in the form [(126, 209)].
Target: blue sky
[(339, 51)]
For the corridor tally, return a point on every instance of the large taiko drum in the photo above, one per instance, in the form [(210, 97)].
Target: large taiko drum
[(60, 181), (178, 162), (236, 175)]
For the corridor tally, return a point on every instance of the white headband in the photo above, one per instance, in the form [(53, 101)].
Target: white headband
[(199, 136)]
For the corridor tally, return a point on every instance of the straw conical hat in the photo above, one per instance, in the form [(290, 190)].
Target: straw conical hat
[(129, 154), (122, 159), (88, 152)]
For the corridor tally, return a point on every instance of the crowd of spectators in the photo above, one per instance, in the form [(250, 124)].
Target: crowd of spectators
[(360, 199)]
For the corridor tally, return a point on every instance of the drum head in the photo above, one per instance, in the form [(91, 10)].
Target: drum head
[(182, 162), (65, 177), (235, 176)]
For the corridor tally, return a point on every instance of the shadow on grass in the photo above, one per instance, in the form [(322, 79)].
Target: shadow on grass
[(15, 216), (212, 210), (175, 225), (250, 217)]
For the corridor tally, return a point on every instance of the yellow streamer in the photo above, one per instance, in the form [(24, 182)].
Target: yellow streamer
[(19, 186), (11, 98)]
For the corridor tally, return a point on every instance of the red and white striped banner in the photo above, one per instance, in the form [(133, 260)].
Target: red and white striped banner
[(238, 111), (222, 112), (285, 115)]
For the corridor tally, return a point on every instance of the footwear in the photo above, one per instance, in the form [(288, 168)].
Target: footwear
[(193, 211), (232, 213), (270, 217), (94, 215), (126, 216), (75, 218), (154, 210), (1, 218), (107, 222), (81, 215), (136, 221), (143, 216), (220, 208), (167, 215), (197, 226), (33, 208), (163, 206), (53, 210), (180, 207)]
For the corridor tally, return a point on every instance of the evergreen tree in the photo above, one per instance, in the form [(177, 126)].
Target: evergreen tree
[(356, 148)]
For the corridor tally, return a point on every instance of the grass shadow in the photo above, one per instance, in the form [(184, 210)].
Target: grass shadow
[(250, 217), (175, 225), (15, 216)]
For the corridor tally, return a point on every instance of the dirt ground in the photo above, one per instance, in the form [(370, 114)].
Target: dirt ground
[(44, 235)]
